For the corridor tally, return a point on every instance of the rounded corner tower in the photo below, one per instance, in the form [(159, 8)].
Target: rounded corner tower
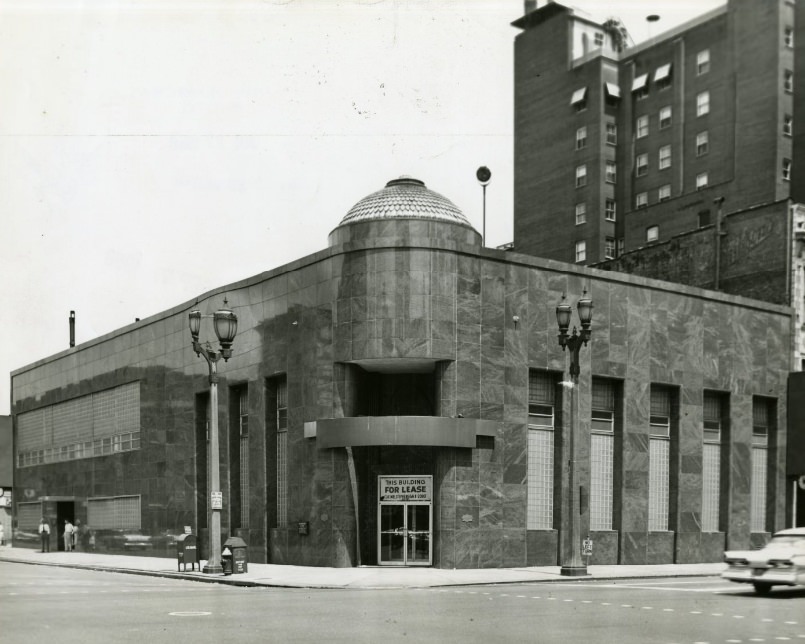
[(405, 209)]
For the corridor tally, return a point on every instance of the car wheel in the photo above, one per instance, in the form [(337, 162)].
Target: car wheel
[(762, 589)]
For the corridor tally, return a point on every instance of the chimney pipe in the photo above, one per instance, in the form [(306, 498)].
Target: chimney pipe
[(529, 5), (72, 329)]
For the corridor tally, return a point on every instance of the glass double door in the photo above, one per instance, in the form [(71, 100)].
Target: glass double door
[(405, 534)]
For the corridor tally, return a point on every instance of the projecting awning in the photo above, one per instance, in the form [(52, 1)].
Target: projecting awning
[(613, 90), (639, 82), (578, 95), (662, 72)]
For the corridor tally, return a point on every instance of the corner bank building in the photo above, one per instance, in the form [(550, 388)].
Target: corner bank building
[(400, 398)]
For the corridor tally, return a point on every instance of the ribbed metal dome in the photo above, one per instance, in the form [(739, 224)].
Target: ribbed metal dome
[(405, 198)]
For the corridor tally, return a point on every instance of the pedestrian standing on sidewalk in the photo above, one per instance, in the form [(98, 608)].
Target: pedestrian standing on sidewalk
[(44, 534), (2, 535), (68, 535), (76, 533)]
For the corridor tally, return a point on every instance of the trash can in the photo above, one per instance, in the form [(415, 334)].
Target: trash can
[(187, 551), (237, 556)]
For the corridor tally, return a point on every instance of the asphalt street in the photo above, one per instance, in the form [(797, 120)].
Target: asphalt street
[(47, 604)]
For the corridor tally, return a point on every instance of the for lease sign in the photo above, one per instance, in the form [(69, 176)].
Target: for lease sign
[(405, 488)]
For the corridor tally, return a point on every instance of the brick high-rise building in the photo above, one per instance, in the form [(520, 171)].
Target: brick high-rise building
[(620, 146)]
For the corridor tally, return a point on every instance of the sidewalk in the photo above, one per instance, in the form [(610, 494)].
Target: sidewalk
[(374, 577)]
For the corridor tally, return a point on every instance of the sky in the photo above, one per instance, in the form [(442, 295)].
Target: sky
[(153, 151)]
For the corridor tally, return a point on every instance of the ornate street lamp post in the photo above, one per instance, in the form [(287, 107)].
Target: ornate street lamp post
[(226, 326), (571, 549)]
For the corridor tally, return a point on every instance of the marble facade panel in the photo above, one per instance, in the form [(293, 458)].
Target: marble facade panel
[(542, 548)]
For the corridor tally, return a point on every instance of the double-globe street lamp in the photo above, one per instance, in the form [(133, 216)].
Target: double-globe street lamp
[(572, 565), (225, 323)]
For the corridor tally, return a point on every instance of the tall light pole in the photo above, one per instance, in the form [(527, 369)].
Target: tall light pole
[(483, 174), (572, 565), (225, 323)]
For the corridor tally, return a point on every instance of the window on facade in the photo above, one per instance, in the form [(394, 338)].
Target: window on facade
[(611, 172), (612, 134), (581, 137), (581, 176), (788, 37), (665, 117), (701, 180), (711, 461), (762, 426), (703, 62), (581, 251), (609, 248), (541, 423), (659, 457), (788, 125), (640, 86), (579, 99), (613, 93), (609, 210), (786, 169), (641, 165), (702, 103), (581, 213), (602, 450), (598, 38), (664, 192), (114, 513), (702, 143), (620, 246), (641, 200), (652, 233), (662, 76), (243, 430), (277, 418), (788, 81), (641, 127), (665, 157)]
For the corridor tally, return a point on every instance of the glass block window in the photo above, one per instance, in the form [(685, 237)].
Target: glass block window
[(282, 452), (659, 458), (762, 421), (114, 513), (243, 427), (602, 450), (711, 461), (541, 421), (98, 424), (29, 514)]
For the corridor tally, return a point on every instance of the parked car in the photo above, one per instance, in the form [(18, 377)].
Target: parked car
[(781, 562)]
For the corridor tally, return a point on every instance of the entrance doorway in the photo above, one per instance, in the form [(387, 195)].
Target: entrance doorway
[(65, 510), (405, 521)]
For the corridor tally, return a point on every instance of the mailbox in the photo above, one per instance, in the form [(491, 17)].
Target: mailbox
[(239, 555), (187, 551)]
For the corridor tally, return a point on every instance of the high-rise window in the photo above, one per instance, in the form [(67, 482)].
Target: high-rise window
[(788, 37), (664, 192), (762, 426), (581, 137), (659, 457), (788, 125), (712, 420), (581, 213), (602, 450), (665, 117), (665, 157), (702, 180), (652, 233), (609, 248), (581, 176), (702, 143), (641, 200), (786, 169), (641, 126), (609, 210), (641, 165), (581, 251), (703, 62), (788, 81), (611, 172), (541, 423), (702, 103), (612, 134)]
